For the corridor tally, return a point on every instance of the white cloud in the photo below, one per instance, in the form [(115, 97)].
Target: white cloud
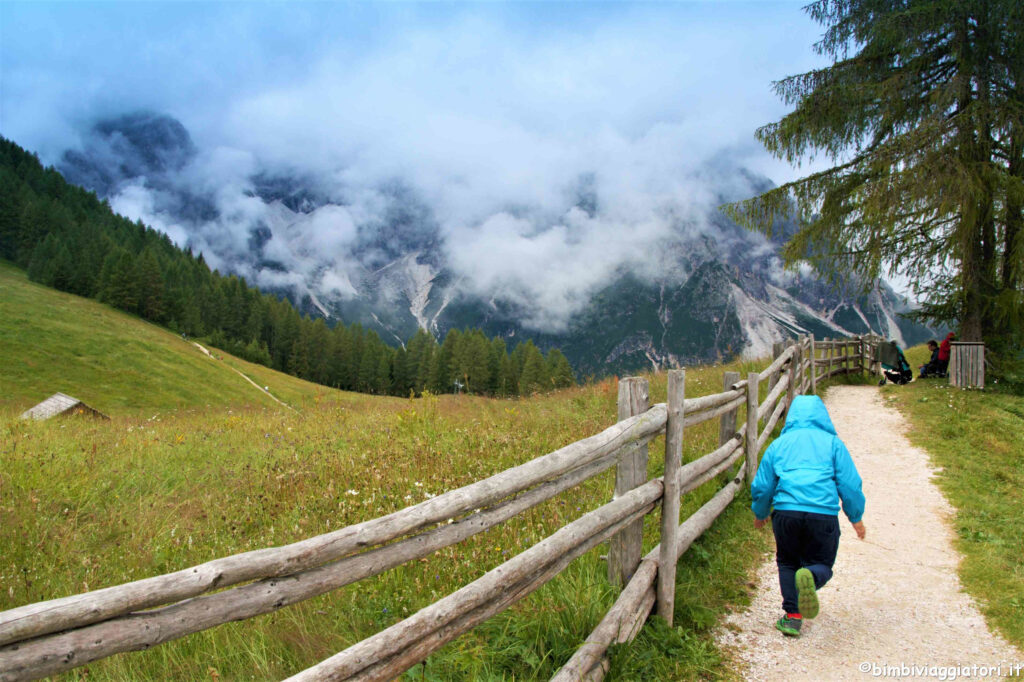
[(495, 118)]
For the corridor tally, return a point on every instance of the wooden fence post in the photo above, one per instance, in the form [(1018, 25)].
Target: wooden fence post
[(777, 349), (805, 346), (753, 378), (814, 368), (791, 390), (670, 499), (727, 424), (625, 547)]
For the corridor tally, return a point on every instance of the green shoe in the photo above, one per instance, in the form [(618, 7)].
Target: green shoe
[(807, 597), (789, 626)]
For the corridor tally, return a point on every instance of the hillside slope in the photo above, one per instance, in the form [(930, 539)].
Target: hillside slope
[(52, 341)]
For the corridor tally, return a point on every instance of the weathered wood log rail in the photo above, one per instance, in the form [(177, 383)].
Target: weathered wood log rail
[(45, 638)]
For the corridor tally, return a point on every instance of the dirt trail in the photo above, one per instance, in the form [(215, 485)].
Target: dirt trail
[(896, 598), (241, 374)]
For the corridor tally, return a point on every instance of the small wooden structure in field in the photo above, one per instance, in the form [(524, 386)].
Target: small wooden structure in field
[(967, 364), (58, 403)]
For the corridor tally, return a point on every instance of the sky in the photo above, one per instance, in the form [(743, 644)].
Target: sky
[(489, 112)]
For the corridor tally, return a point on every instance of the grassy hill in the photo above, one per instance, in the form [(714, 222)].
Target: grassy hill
[(120, 364)]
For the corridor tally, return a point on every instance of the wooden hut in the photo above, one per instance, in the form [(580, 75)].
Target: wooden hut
[(967, 364), (58, 403)]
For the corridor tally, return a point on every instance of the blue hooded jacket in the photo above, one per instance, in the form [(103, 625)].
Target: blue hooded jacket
[(807, 468)]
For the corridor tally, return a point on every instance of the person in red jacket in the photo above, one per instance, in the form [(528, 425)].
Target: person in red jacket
[(944, 349)]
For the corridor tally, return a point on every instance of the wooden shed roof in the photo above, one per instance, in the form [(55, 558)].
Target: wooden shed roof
[(59, 403)]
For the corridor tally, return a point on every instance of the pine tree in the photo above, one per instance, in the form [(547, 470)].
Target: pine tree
[(63, 269), (149, 286), (383, 376), (442, 370), (535, 371), (319, 341), (369, 367), (117, 280), (498, 353), (921, 113), (299, 357), (559, 370), (508, 378), (471, 361), (41, 263), (426, 364)]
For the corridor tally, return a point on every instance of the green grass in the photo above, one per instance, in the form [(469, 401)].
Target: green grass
[(196, 464), (117, 363), (136, 497), (976, 439)]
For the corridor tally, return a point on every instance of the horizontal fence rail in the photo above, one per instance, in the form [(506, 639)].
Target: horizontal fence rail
[(49, 637)]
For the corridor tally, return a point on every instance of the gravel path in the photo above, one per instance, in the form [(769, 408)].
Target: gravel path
[(895, 599)]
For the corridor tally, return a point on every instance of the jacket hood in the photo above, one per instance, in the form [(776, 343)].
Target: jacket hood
[(808, 412)]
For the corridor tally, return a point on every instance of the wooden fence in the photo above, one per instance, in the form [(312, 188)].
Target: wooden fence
[(49, 637)]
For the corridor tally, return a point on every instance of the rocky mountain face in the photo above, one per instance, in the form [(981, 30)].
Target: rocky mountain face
[(703, 295)]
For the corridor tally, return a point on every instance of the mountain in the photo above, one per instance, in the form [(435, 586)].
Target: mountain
[(705, 290)]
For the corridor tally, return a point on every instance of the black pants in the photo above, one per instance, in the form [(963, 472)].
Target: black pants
[(803, 540)]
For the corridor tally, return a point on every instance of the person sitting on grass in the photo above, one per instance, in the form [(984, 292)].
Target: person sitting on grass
[(945, 348), (932, 368), (804, 474)]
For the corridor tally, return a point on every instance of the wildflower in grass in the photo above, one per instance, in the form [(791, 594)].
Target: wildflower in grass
[(351, 492)]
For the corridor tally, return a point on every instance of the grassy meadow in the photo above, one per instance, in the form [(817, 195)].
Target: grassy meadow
[(976, 441), (196, 464), (86, 504)]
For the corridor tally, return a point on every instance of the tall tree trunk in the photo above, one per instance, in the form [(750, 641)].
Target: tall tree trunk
[(982, 61), (1013, 237), (971, 237)]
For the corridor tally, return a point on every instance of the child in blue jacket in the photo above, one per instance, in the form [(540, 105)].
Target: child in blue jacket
[(804, 474)]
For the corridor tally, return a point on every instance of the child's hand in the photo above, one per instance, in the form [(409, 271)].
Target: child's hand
[(861, 530), (759, 523)]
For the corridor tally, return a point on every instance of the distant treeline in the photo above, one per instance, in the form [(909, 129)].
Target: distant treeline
[(66, 238)]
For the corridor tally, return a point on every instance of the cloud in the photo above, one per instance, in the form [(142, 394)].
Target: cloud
[(547, 147)]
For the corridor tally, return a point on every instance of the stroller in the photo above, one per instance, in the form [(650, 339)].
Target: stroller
[(895, 367)]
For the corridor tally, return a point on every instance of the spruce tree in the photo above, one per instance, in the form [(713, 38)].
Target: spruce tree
[(535, 371), (921, 114), (117, 280), (559, 370), (149, 286), (442, 370), (41, 263)]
